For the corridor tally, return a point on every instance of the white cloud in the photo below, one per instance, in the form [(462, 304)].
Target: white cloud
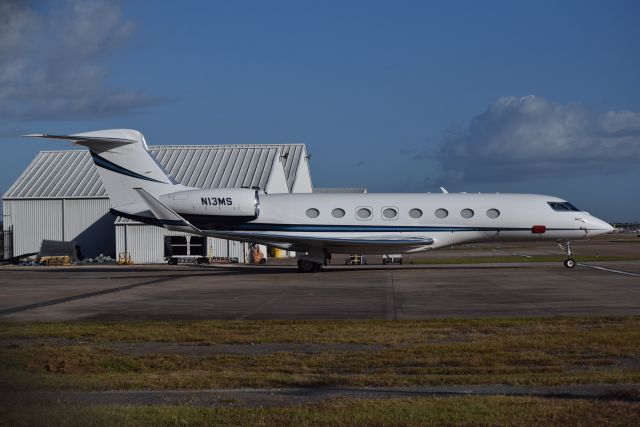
[(518, 138), (52, 64)]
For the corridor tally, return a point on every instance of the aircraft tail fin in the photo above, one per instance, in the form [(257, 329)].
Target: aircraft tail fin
[(124, 163)]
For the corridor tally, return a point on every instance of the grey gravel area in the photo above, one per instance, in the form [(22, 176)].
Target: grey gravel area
[(248, 397)]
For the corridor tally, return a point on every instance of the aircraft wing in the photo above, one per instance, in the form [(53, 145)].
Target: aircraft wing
[(338, 244), (166, 216)]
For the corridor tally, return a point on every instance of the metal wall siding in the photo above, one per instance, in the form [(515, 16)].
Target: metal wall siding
[(237, 250), (33, 221), (145, 243), (120, 240), (218, 247), (89, 223), (226, 248)]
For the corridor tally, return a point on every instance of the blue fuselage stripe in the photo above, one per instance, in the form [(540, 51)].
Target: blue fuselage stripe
[(106, 164), (367, 228)]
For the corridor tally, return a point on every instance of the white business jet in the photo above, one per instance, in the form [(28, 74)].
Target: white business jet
[(318, 225)]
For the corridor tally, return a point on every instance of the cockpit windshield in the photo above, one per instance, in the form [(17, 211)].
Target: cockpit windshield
[(563, 207)]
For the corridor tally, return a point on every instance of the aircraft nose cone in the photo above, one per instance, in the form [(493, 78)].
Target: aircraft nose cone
[(601, 226)]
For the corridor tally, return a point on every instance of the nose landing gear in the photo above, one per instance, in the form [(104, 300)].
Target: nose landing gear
[(566, 247)]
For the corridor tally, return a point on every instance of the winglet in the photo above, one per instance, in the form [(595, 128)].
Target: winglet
[(166, 216), (444, 190)]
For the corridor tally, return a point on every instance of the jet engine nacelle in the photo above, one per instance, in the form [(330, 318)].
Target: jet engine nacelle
[(225, 202)]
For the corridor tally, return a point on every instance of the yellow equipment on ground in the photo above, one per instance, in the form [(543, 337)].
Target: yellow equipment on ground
[(124, 258), (355, 259), (55, 260)]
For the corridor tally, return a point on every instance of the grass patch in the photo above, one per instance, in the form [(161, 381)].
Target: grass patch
[(457, 411), (515, 258), (555, 351)]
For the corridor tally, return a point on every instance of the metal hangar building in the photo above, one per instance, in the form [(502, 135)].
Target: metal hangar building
[(60, 197)]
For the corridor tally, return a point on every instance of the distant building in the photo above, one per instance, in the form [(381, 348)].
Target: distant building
[(60, 197)]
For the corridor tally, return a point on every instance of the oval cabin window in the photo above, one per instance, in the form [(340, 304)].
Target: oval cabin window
[(466, 213), (337, 213), (389, 213), (364, 213), (415, 213), (313, 213), (442, 213), (493, 213)]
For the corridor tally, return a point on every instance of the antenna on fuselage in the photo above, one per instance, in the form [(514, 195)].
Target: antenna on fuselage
[(444, 190)]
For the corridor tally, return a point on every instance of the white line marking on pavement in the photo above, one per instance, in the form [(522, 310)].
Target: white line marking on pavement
[(597, 267)]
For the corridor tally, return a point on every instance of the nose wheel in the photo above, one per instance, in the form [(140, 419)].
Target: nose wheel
[(566, 248)]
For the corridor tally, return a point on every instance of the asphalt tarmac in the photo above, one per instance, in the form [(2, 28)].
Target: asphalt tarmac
[(162, 292)]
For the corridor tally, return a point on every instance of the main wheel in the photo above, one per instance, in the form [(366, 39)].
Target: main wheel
[(307, 266), (569, 262)]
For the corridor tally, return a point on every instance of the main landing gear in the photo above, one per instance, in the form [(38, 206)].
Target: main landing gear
[(566, 247), (313, 260), (306, 266)]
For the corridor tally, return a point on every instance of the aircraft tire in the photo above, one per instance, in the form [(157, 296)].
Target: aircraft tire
[(306, 266), (569, 262)]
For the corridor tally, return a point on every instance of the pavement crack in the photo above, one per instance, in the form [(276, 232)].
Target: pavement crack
[(18, 309)]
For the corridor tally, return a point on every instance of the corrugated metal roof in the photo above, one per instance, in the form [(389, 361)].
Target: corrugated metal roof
[(58, 174), (72, 173)]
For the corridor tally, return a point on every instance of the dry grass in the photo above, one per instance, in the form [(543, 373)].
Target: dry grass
[(453, 411), (556, 351)]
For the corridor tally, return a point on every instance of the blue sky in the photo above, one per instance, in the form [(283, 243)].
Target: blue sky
[(503, 96)]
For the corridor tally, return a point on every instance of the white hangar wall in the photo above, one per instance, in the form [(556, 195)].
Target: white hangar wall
[(85, 221)]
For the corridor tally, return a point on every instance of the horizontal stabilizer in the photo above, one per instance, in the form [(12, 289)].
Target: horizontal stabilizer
[(165, 216), (87, 141)]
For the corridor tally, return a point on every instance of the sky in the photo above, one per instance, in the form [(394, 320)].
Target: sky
[(404, 96)]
